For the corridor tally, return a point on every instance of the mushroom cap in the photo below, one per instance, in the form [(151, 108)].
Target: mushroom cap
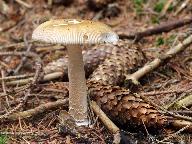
[(73, 31)]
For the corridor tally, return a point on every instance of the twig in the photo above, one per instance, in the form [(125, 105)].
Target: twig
[(4, 8), (157, 61), (174, 134), (19, 82), (4, 64), (46, 77), (179, 122), (28, 133), (153, 93), (49, 48), (52, 76), (107, 122), (183, 5), (50, 2), (166, 7), (35, 80), (166, 27), (22, 54), (4, 87), (172, 104), (176, 122), (184, 112), (37, 110), (17, 77), (23, 59), (23, 3), (21, 44)]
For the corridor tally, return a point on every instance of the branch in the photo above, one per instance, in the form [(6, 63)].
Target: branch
[(133, 78), (166, 27), (34, 81), (37, 110), (106, 121)]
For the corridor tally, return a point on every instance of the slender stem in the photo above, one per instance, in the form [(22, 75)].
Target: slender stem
[(77, 86)]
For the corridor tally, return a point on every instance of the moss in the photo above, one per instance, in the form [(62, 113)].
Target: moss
[(159, 5), (160, 41), (3, 139)]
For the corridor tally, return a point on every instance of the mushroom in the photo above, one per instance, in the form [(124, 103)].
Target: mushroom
[(73, 33)]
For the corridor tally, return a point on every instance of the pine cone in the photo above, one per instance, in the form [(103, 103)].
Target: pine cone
[(123, 107)]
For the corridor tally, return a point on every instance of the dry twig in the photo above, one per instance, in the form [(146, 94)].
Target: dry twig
[(35, 80), (37, 110), (166, 7), (20, 45), (23, 59), (16, 77), (47, 77), (154, 93), (4, 87), (4, 8), (177, 123), (107, 122), (158, 29), (23, 3), (174, 134), (183, 5), (157, 61)]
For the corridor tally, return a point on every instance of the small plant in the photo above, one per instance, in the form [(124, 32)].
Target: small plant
[(155, 20), (170, 39), (159, 5), (138, 4), (3, 139), (160, 41)]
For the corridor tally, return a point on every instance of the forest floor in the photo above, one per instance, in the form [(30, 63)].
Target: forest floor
[(164, 86)]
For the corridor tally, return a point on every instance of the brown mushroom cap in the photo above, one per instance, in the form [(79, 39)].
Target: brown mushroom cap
[(73, 31)]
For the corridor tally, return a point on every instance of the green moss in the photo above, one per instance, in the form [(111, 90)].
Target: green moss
[(138, 2), (138, 5), (160, 41), (159, 5), (3, 139), (155, 20), (168, 41), (171, 7)]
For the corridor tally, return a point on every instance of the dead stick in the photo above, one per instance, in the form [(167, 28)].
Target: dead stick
[(166, 27), (46, 77), (106, 121), (166, 7), (21, 45), (23, 3), (34, 81), (154, 93), (174, 134), (182, 6), (37, 110), (16, 77), (23, 59), (157, 61), (4, 87)]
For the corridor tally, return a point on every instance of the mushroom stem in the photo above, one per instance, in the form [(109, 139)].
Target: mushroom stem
[(77, 86)]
